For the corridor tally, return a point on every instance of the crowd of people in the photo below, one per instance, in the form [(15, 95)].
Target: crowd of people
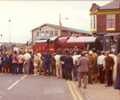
[(82, 66)]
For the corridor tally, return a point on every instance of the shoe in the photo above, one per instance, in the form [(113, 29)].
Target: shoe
[(85, 87), (79, 85), (106, 85)]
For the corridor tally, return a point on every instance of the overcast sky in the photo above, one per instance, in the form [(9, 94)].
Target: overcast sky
[(27, 15)]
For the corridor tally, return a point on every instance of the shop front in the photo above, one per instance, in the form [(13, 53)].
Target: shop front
[(108, 42)]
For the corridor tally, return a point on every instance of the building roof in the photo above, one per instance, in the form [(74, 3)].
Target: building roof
[(94, 7), (64, 28), (41, 41), (115, 4), (112, 34), (81, 39)]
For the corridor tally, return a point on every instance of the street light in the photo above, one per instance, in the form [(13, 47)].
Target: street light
[(9, 22)]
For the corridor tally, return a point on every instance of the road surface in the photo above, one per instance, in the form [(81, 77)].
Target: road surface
[(29, 87)]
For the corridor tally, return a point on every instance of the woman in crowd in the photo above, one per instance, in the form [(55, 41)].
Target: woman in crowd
[(7, 62), (4, 63), (14, 62)]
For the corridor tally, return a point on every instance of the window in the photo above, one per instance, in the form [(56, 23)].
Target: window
[(110, 22), (37, 34), (51, 33), (93, 23), (47, 35), (42, 34)]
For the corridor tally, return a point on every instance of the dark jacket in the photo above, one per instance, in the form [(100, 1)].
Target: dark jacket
[(109, 63), (68, 62)]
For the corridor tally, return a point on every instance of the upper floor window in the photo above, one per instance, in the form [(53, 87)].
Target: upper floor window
[(93, 22), (37, 34), (110, 22)]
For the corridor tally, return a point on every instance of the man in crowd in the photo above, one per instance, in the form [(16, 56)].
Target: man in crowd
[(20, 62), (91, 70), (75, 56), (68, 65), (58, 65), (46, 58), (62, 60), (83, 68), (109, 63), (26, 65), (101, 69), (53, 64), (36, 63), (112, 54), (1, 56)]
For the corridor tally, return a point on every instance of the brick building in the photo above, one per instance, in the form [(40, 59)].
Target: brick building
[(105, 24), (47, 31)]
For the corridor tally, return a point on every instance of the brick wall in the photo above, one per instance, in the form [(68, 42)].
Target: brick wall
[(101, 23), (118, 22)]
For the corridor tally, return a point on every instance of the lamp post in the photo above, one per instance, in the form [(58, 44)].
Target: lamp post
[(9, 26)]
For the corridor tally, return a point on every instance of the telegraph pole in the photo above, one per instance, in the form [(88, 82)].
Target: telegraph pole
[(60, 26)]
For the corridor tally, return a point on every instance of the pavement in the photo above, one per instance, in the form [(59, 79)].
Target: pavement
[(29, 87), (99, 92)]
